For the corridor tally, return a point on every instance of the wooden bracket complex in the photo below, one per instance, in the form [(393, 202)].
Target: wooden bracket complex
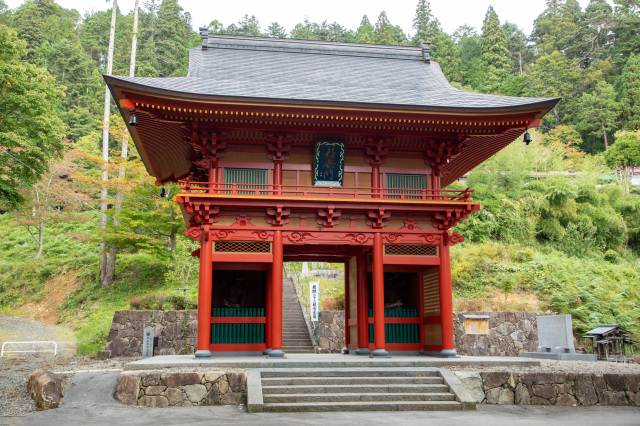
[(278, 216), (329, 217), (378, 219), (440, 151), (278, 147), (376, 150)]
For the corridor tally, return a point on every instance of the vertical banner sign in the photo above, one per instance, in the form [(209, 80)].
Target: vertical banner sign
[(314, 300), (328, 164)]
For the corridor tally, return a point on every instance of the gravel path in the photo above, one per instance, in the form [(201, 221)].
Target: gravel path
[(15, 368)]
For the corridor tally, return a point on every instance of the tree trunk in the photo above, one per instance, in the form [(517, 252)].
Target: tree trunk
[(105, 148), (606, 141), (40, 238)]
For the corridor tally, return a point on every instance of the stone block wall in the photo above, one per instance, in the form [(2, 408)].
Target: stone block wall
[(509, 334), (153, 388), (501, 387), (176, 332), (331, 330)]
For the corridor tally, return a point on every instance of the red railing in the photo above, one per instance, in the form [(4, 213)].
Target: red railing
[(337, 192)]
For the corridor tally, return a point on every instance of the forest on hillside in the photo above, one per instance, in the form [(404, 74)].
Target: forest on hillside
[(560, 218)]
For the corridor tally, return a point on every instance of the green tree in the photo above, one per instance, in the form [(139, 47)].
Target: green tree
[(171, 40), (249, 26), (630, 93), (517, 45), (386, 33), (555, 75), (624, 156), (593, 36), (496, 58), (554, 28), (364, 34), (30, 131), (444, 51), (276, 30), (470, 56), (598, 114), (6, 14), (626, 29)]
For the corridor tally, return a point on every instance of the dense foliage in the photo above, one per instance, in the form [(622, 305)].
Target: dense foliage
[(571, 242)]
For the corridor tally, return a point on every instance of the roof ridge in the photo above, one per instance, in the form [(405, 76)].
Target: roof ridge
[(215, 41)]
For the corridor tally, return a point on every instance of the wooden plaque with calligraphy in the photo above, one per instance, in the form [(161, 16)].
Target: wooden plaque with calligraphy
[(329, 164)]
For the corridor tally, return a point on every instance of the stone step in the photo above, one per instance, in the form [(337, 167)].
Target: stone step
[(359, 406), (356, 388), (300, 381), (353, 397), (350, 372)]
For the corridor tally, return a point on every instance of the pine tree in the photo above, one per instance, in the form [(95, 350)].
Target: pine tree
[(364, 34), (424, 23), (517, 45), (276, 30), (598, 113), (554, 28), (249, 26), (630, 93), (172, 40), (626, 29), (385, 33), (496, 58), (470, 57)]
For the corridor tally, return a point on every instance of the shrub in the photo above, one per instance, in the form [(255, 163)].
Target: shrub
[(181, 303), (150, 302), (611, 256), (328, 304), (340, 304)]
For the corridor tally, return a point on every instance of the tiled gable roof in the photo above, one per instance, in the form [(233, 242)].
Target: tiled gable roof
[(284, 70)]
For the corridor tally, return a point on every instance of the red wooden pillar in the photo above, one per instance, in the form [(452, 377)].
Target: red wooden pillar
[(276, 297), (446, 303), (213, 176), (204, 294), (363, 305), (267, 311), (378, 298)]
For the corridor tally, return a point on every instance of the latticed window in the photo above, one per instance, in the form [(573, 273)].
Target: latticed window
[(242, 247), (253, 180), (404, 184), (410, 250)]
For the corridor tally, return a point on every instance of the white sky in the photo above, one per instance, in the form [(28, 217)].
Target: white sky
[(348, 13)]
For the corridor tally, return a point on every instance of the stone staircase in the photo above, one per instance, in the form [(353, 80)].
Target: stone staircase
[(355, 389), (295, 335)]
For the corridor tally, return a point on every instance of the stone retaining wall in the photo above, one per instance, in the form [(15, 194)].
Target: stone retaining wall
[(176, 332), (160, 389), (500, 387), (509, 334), (331, 331)]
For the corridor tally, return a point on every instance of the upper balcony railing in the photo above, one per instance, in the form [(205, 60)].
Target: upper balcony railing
[(335, 192)]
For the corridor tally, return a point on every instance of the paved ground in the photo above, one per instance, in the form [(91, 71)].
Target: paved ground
[(89, 400)]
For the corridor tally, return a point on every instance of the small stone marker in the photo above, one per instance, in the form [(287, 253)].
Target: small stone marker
[(147, 342)]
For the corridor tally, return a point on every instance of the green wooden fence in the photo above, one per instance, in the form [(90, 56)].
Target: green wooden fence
[(237, 333), (398, 333)]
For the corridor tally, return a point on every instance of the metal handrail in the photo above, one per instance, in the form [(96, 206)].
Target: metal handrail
[(311, 326), (55, 347), (269, 190)]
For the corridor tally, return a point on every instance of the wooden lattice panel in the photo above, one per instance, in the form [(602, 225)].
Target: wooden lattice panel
[(431, 292), (242, 247), (410, 250)]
